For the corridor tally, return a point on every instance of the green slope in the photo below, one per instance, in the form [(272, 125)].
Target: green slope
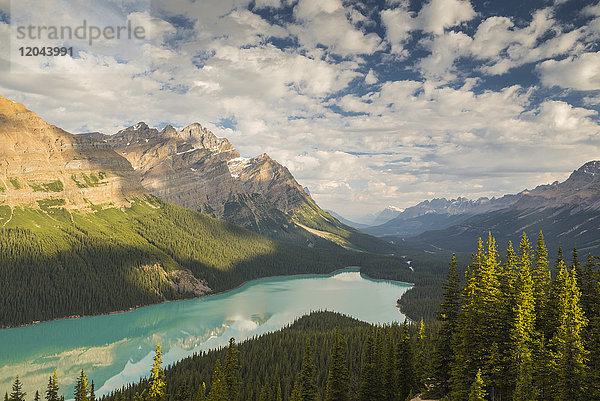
[(314, 219), (56, 263)]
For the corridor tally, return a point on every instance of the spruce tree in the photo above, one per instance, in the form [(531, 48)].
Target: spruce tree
[(480, 330), (296, 391), (522, 332), (201, 394), (17, 391), (575, 265), (338, 379), (308, 376), (422, 360), (541, 280), (389, 368), (52, 389), (477, 391), (448, 316), (405, 362), (231, 370), (82, 388), (218, 388), (157, 385), (92, 392), (569, 357), (36, 397), (370, 378)]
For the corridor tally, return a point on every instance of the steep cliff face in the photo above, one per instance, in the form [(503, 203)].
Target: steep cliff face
[(40, 162), (195, 169)]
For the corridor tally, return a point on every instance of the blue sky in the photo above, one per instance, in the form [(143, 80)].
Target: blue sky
[(368, 103)]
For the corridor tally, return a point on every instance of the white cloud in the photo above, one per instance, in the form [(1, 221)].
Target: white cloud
[(326, 23), (437, 15), (398, 23), (581, 73), (371, 78), (411, 139)]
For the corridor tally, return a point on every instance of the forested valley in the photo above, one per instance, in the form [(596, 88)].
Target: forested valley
[(521, 328), (56, 263)]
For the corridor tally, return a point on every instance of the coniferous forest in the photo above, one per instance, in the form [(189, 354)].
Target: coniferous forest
[(81, 263), (523, 326)]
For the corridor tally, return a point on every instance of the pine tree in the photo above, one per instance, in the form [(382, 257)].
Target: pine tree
[(405, 362), (37, 396), (218, 389), (569, 353), (52, 389), (523, 329), (201, 394), (590, 304), (157, 377), (17, 391), (389, 380), (231, 370), (370, 377), (467, 349), (575, 265), (296, 392), (338, 380), (92, 392), (559, 258), (477, 392), (448, 316), (307, 377), (541, 280), (422, 362), (82, 388), (480, 329)]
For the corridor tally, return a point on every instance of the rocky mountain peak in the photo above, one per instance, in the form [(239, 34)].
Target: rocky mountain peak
[(590, 168)]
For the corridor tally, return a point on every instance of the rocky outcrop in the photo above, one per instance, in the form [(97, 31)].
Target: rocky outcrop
[(39, 161), (196, 169)]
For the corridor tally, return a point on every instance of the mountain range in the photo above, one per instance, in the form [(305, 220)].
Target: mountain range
[(567, 212), (194, 168), (81, 233)]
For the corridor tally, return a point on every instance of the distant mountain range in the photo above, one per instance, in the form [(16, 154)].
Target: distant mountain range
[(567, 212), (194, 168)]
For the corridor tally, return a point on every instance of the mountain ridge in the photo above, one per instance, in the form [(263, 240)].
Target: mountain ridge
[(194, 168)]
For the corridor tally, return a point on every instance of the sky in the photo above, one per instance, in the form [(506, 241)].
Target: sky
[(368, 103)]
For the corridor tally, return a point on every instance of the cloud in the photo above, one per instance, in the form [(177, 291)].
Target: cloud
[(437, 15), (326, 23), (371, 78), (364, 123), (398, 23), (580, 73)]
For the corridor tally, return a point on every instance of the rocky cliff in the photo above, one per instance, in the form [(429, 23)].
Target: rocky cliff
[(194, 168), (42, 164)]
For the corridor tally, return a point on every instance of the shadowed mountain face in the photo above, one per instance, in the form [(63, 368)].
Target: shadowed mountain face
[(567, 212), (195, 169), (42, 163)]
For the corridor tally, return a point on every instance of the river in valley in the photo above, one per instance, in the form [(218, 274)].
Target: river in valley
[(117, 349)]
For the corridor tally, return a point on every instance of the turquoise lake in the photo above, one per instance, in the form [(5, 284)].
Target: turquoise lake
[(117, 349)]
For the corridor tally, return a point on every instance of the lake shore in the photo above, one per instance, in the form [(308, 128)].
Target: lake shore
[(237, 287)]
